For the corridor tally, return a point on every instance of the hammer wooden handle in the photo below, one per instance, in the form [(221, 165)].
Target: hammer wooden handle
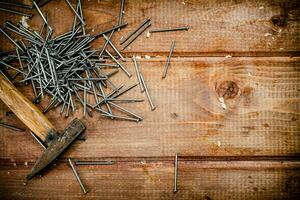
[(26, 111)]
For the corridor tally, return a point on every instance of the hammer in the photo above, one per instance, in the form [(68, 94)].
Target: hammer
[(33, 118)]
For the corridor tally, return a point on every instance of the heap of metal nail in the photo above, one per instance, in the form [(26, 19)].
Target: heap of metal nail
[(67, 69)]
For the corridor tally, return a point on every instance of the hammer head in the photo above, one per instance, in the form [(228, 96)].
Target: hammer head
[(57, 145)]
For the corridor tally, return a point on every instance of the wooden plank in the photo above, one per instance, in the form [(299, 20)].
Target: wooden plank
[(243, 28), (154, 180), (260, 119)]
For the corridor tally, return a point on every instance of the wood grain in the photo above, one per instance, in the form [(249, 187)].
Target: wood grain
[(154, 180), (262, 119), (218, 27), (249, 150)]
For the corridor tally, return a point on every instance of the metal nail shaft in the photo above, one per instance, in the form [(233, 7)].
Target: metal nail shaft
[(121, 66), (111, 29), (94, 162), (6, 35), (184, 28), (113, 47), (147, 93), (15, 12), (16, 5), (136, 30), (137, 73), (42, 16), (38, 140), (78, 16), (136, 35), (175, 189), (77, 176), (11, 127), (168, 60), (121, 12)]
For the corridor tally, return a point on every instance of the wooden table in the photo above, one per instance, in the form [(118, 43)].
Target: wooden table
[(246, 148)]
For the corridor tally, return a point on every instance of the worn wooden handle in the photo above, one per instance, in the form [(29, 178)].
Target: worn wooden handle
[(26, 111)]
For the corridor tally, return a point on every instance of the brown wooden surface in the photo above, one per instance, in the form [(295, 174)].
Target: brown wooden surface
[(258, 131), (154, 180)]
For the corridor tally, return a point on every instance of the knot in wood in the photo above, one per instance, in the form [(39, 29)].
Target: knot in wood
[(279, 20), (227, 89)]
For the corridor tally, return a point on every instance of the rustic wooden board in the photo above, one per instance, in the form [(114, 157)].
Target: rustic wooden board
[(217, 27), (258, 131), (262, 119), (154, 180)]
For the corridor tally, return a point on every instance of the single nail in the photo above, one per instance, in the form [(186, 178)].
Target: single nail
[(20, 5), (126, 111), (77, 176), (183, 28), (8, 37), (147, 93), (111, 29), (168, 60), (42, 16), (94, 162), (16, 12), (3, 124), (136, 30), (38, 140), (175, 173), (121, 12), (138, 73), (136, 35)]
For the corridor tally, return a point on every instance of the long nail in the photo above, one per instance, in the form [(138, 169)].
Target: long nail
[(136, 30), (138, 73), (78, 16), (106, 43), (147, 93), (8, 37), (41, 14), (168, 60), (126, 111), (175, 173), (114, 48), (111, 29), (136, 35), (121, 66), (38, 140), (16, 5), (77, 176), (183, 28), (11, 127), (120, 117), (84, 99), (121, 12), (94, 162), (16, 12), (124, 91)]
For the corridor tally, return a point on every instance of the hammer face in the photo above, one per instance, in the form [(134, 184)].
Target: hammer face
[(57, 146)]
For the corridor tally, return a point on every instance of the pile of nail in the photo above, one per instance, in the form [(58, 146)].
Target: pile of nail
[(65, 67)]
